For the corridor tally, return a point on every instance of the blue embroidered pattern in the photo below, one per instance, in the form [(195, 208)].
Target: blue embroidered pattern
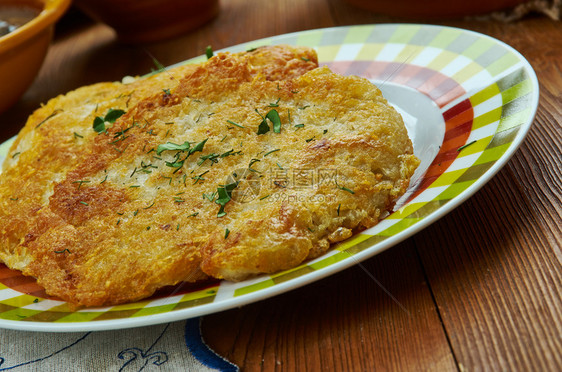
[(139, 359), (44, 358)]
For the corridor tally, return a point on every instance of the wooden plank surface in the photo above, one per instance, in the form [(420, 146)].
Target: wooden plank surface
[(479, 290), (379, 316)]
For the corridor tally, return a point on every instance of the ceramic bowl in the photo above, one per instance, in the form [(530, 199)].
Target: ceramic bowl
[(143, 21), (23, 50)]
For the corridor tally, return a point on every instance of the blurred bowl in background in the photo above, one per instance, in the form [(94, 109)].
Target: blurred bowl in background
[(433, 9), (23, 49), (143, 21)]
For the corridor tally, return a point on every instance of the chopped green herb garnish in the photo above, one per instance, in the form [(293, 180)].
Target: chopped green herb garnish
[(83, 202), (310, 139), (253, 161), (233, 123), (199, 177), (209, 52), (339, 205), (210, 196), (99, 124), (55, 112), (226, 233), (224, 196), (63, 251), (110, 117), (344, 188), (276, 104), (304, 107), (193, 214), (265, 197), (16, 154), (76, 135), (80, 183), (269, 152), (273, 116), (465, 146), (305, 59), (299, 126), (198, 147), (169, 146), (160, 67)]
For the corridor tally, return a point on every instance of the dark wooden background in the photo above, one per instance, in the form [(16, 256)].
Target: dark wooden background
[(478, 290)]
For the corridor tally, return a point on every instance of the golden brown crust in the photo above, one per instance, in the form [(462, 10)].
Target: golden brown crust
[(108, 218)]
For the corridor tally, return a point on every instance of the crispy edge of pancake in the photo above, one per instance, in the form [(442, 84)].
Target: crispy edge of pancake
[(35, 221)]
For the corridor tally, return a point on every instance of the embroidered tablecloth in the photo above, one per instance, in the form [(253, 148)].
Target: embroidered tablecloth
[(174, 346)]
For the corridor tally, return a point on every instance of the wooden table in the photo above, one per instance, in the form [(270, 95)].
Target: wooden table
[(478, 290)]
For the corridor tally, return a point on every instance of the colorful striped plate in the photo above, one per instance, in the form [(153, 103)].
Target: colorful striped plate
[(468, 101)]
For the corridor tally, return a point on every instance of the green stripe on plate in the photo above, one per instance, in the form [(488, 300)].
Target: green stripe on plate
[(291, 274), (369, 52), (354, 240), (408, 53), (79, 316), (403, 34), (477, 48), (357, 34), (515, 120), (487, 118), (19, 314), (398, 227), (328, 53), (309, 38), (19, 300), (502, 64), (467, 72), (485, 94), (444, 38), (442, 60), (516, 91), (480, 145), (154, 310), (454, 190), (447, 178), (254, 287), (328, 261), (492, 154), (375, 239)]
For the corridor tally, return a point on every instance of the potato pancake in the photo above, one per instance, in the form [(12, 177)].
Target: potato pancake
[(248, 163)]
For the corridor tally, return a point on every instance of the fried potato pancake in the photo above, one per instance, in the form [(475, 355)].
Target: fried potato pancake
[(245, 164)]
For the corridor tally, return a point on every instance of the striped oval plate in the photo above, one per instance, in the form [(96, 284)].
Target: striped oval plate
[(468, 101)]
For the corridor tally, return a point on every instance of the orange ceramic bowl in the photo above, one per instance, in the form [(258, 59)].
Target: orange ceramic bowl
[(22, 51)]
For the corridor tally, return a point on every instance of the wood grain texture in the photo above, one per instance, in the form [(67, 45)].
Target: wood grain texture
[(480, 290), (377, 316), (497, 278)]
